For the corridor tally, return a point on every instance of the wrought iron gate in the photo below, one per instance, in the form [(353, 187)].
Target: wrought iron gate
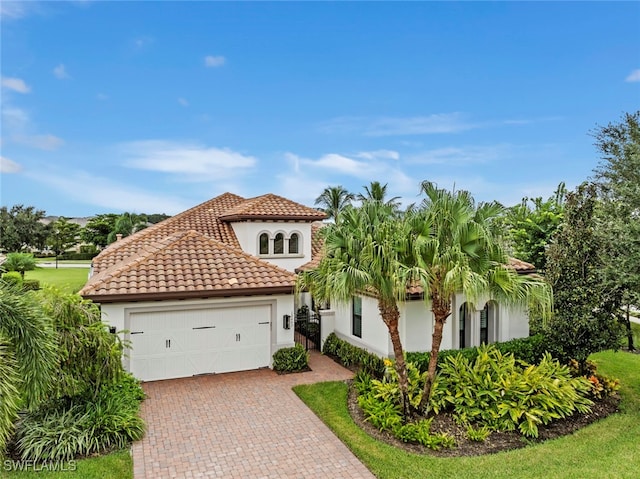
[(308, 329)]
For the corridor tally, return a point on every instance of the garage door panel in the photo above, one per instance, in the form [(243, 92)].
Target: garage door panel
[(175, 343)]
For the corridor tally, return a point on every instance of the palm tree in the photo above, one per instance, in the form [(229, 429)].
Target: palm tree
[(454, 251), (27, 355), (333, 200), (364, 254), (377, 192), (126, 224)]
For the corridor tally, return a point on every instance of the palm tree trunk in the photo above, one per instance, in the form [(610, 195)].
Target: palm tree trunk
[(441, 311), (391, 317)]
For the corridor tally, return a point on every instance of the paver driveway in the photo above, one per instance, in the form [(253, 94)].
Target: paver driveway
[(245, 425)]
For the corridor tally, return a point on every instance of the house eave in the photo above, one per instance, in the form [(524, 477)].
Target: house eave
[(302, 218), (180, 295)]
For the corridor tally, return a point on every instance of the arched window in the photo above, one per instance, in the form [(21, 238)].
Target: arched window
[(264, 243), (278, 244), (293, 243)]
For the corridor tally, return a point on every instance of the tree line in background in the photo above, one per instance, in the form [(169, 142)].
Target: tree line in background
[(22, 229)]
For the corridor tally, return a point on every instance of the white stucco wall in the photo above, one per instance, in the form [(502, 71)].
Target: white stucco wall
[(115, 314), (416, 326), (248, 236), (375, 336)]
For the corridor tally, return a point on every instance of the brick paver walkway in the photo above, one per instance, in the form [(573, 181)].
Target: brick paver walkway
[(245, 425)]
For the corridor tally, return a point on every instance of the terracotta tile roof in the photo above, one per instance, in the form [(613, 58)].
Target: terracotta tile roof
[(316, 247), (202, 218), (272, 207), (187, 264), (521, 266)]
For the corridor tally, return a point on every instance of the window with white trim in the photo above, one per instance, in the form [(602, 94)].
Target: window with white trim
[(356, 316)]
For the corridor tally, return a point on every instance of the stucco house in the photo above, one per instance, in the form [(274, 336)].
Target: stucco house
[(211, 290)]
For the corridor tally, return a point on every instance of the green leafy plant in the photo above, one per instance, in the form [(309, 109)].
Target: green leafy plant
[(384, 415), (479, 434), (601, 386), (504, 394), (63, 429), (12, 278), (350, 355), (291, 359), (362, 382), (31, 284)]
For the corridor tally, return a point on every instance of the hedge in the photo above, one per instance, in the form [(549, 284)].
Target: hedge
[(353, 356), (530, 350)]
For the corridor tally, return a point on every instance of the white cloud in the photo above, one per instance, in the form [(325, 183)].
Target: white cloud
[(634, 76), (14, 119), (393, 126), (191, 161), (18, 9), (15, 84), (460, 155), (379, 154), (42, 142), (142, 43), (340, 164), (9, 166), (103, 192), (213, 61), (60, 72), (183, 101), (18, 128), (307, 177)]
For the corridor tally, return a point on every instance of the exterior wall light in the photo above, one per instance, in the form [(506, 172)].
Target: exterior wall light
[(286, 321)]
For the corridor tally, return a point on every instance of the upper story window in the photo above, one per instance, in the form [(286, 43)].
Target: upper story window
[(278, 244), (293, 243), (281, 244), (264, 243)]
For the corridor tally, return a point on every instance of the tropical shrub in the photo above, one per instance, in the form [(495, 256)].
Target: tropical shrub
[(31, 284), (383, 414), (504, 394), (88, 354), (12, 278), (353, 356), (27, 355), (601, 386), (291, 359), (63, 429), (19, 262), (530, 350), (479, 434)]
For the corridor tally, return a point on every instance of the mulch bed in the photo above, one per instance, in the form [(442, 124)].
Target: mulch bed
[(496, 442)]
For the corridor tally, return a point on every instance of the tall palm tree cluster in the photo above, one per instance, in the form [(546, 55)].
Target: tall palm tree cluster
[(445, 245), (334, 199)]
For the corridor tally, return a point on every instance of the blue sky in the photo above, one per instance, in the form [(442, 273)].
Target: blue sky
[(158, 106)]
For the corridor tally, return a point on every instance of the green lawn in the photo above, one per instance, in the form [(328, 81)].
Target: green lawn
[(70, 280), (117, 465), (607, 449)]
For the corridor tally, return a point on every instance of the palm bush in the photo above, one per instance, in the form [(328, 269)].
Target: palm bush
[(27, 355), (63, 429)]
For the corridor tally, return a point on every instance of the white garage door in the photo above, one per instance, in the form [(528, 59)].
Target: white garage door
[(175, 344)]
